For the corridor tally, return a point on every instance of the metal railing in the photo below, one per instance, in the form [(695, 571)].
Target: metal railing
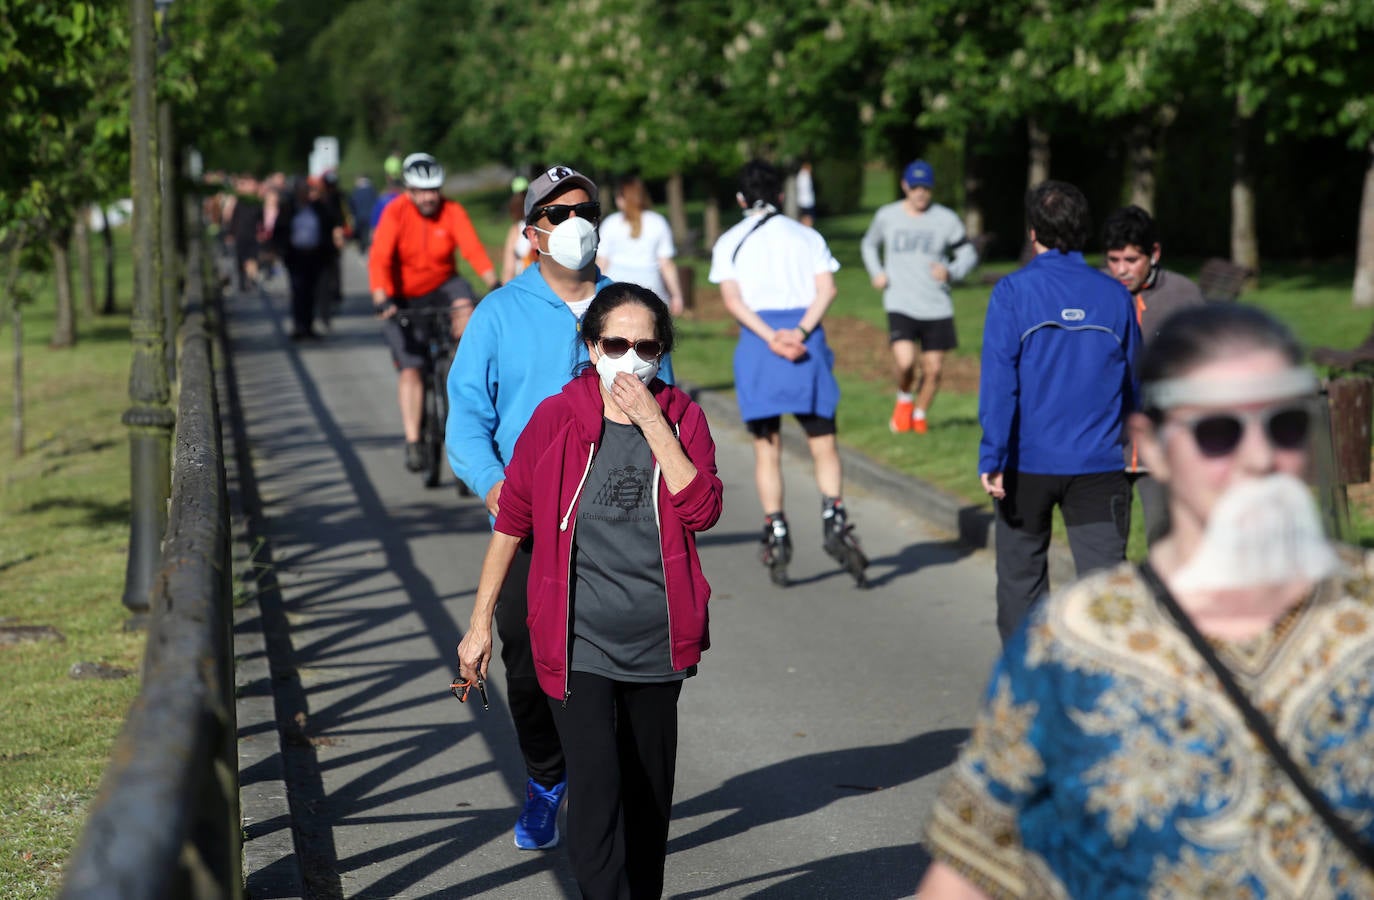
[(166, 820)]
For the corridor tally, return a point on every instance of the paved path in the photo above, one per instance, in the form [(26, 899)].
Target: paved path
[(812, 740)]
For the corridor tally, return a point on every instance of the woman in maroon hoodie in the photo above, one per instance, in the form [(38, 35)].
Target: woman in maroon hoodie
[(612, 478)]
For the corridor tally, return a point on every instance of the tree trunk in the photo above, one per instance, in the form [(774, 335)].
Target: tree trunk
[(789, 196), (974, 225), (85, 275), (1244, 242), (17, 329), (64, 328), (1039, 168), (1364, 255), (710, 221), (1143, 152), (677, 214), (107, 239)]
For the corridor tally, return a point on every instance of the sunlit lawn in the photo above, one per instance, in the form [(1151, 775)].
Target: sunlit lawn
[(64, 525)]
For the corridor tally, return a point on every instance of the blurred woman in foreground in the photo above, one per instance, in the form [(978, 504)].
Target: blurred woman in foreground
[(1111, 758)]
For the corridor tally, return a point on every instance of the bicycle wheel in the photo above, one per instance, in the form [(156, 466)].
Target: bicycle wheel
[(432, 436)]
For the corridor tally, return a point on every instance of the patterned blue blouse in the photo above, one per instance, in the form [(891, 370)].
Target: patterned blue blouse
[(1107, 761)]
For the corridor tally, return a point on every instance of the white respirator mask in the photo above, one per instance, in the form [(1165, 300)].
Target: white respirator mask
[(572, 243), (630, 362)]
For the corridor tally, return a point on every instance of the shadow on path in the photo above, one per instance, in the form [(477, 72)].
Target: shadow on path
[(886, 873), (800, 786), (332, 502)]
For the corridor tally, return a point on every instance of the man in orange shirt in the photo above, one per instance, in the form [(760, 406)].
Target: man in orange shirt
[(411, 266)]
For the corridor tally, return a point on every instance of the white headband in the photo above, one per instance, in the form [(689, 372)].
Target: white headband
[(1171, 392)]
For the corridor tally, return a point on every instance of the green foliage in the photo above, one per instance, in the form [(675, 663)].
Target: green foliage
[(215, 65), (60, 127)]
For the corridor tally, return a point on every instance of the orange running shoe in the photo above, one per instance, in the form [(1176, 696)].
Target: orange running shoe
[(919, 425), (901, 417)]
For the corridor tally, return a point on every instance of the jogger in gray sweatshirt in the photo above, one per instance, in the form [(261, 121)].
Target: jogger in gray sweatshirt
[(913, 250)]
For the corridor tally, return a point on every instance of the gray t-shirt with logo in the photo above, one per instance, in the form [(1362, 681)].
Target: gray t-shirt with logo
[(904, 245), (620, 605)]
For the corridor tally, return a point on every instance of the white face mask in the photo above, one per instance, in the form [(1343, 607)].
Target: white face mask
[(608, 368), (572, 243), (1261, 531)]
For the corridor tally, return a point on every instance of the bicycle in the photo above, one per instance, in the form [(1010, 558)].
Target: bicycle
[(434, 325)]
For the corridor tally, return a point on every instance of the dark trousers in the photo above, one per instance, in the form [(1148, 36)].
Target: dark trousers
[(331, 282), (534, 726), (1097, 516), (305, 278), (1154, 504), (621, 742)]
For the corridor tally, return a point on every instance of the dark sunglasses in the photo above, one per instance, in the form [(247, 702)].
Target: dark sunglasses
[(558, 212), (616, 347), (1219, 434)]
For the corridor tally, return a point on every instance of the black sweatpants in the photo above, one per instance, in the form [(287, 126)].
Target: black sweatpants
[(534, 725), (304, 270), (621, 741), (1097, 516)]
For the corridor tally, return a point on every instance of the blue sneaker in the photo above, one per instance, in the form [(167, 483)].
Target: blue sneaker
[(537, 827)]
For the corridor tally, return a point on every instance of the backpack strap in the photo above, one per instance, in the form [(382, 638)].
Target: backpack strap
[(757, 225)]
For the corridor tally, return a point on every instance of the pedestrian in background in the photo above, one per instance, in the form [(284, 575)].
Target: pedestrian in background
[(360, 202), (637, 244), (1133, 251), (806, 195), (303, 230), (913, 250), (777, 278), (1059, 343)]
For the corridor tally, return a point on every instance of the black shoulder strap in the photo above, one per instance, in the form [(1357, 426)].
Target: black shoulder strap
[(757, 225), (1349, 838)]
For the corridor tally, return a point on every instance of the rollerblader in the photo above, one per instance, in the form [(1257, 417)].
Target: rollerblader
[(776, 278)]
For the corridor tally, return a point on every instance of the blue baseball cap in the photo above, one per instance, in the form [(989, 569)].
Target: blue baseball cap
[(918, 174)]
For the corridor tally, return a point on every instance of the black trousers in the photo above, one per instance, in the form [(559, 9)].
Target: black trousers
[(534, 725), (304, 271), (1154, 503), (621, 742), (1097, 516)]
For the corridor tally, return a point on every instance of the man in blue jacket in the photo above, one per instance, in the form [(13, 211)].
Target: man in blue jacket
[(520, 347), (1059, 347)]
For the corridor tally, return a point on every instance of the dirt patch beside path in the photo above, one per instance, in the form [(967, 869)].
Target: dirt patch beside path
[(861, 348)]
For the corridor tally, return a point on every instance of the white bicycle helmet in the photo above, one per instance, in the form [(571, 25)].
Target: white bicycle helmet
[(422, 172)]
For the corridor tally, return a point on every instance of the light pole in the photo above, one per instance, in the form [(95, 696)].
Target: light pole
[(149, 418), (169, 274)]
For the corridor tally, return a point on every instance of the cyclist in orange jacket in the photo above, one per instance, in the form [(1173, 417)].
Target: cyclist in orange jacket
[(411, 265)]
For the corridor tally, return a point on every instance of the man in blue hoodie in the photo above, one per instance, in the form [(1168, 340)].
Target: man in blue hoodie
[(1059, 346), (520, 347)]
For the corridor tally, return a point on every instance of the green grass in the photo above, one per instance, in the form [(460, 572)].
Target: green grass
[(1313, 298), (64, 526)]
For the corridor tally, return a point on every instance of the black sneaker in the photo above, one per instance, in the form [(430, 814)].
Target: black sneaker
[(415, 456)]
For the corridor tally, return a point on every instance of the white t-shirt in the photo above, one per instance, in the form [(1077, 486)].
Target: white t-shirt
[(636, 260), (806, 189), (778, 264)]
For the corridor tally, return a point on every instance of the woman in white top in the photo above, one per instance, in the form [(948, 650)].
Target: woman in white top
[(637, 244)]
